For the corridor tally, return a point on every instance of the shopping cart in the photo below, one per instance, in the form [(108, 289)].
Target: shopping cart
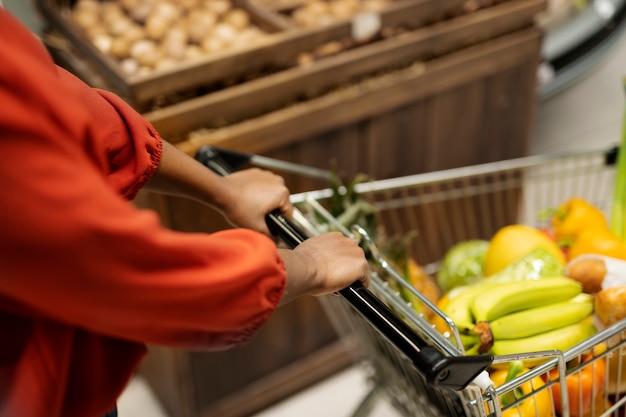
[(416, 368)]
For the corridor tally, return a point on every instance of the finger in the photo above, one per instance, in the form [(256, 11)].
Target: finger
[(286, 208)]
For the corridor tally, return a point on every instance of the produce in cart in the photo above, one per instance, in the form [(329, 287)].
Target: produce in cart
[(521, 316), (585, 387), (537, 404), (514, 241), (463, 264)]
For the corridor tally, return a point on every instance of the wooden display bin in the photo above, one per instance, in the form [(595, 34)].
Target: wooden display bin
[(300, 89), (447, 93), (274, 53)]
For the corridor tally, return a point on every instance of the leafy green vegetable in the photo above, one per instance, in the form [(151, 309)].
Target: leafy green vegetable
[(350, 208), (462, 264), (537, 264)]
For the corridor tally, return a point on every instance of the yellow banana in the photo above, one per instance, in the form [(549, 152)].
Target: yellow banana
[(502, 299), (559, 339), (458, 309), (542, 319)]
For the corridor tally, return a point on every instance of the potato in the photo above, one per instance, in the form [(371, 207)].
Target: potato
[(103, 43), (85, 18), (120, 48), (610, 305), (200, 24), (157, 26), (237, 18), (590, 272)]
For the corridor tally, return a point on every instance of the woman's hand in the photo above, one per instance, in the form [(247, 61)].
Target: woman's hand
[(243, 197), (324, 264), (251, 194)]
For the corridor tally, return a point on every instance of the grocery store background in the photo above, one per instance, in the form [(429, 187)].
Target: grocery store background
[(586, 113)]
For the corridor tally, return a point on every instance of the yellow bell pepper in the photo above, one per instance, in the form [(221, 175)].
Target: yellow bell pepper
[(599, 241), (538, 405), (575, 215)]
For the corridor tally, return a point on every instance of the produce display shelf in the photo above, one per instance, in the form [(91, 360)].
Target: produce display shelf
[(279, 49), (336, 75)]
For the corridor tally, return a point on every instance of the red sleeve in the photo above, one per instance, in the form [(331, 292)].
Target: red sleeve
[(75, 251)]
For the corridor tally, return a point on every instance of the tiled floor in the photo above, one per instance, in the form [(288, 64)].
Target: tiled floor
[(588, 115)]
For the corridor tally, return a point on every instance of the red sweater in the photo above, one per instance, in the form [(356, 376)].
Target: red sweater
[(86, 279)]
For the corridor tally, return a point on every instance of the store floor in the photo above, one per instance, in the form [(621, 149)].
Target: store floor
[(587, 115)]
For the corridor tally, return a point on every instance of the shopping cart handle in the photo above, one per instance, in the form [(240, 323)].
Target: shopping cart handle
[(454, 372), (278, 224)]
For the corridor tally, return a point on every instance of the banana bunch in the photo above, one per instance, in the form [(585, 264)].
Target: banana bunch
[(521, 316)]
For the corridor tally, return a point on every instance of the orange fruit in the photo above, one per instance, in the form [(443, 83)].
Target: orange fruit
[(512, 242)]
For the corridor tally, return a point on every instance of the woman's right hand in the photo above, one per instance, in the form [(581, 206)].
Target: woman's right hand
[(324, 264)]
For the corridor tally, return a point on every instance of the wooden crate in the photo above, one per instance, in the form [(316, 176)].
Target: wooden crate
[(289, 87), (413, 114), (279, 51)]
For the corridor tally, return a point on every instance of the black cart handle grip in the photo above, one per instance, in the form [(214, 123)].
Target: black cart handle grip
[(454, 372)]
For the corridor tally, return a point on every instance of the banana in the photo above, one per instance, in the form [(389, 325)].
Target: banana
[(502, 299), (458, 308), (542, 319), (469, 340), (559, 339)]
